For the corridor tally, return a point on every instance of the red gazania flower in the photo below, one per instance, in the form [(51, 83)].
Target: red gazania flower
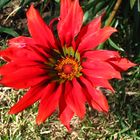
[(61, 72)]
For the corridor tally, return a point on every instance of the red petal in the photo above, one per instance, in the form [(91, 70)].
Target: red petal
[(26, 44), (20, 42), (64, 8), (95, 98), (33, 95), (49, 102), (121, 64), (96, 38), (39, 54), (13, 53), (90, 28), (66, 116), (17, 48), (24, 77), (100, 55), (100, 82), (65, 113), (19, 63), (99, 69), (39, 30), (75, 98), (70, 26), (32, 53)]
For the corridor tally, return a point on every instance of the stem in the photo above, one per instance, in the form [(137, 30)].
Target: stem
[(115, 9)]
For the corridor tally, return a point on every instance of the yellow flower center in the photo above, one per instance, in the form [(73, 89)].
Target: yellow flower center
[(68, 68)]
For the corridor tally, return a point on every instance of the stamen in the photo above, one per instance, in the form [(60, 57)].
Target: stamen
[(68, 68)]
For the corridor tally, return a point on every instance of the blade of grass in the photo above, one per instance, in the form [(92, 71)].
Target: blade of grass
[(9, 31)]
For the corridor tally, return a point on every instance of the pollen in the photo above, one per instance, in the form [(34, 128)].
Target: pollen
[(68, 68)]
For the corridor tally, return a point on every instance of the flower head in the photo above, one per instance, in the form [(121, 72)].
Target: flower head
[(62, 73)]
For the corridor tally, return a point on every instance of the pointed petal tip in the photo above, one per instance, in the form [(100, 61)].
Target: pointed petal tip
[(10, 112), (133, 64), (114, 29), (120, 77), (108, 30), (111, 29), (82, 117), (38, 121), (31, 12), (123, 64), (68, 127), (112, 91), (31, 7), (106, 110), (66, 124)]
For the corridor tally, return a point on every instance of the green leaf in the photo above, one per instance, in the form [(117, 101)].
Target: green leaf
[(132, 3), (86, 16), (3, 3), (138, 5), (57, 1), (114, 45), (8, 31)]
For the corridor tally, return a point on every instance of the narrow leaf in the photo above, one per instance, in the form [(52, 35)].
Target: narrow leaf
[(114, 45), (3, 3), (132, 3), (8, 31)]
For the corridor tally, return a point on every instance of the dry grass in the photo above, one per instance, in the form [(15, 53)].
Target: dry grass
[(120, 123)]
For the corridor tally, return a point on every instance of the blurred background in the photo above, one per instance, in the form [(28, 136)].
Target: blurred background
[(123, 120)]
